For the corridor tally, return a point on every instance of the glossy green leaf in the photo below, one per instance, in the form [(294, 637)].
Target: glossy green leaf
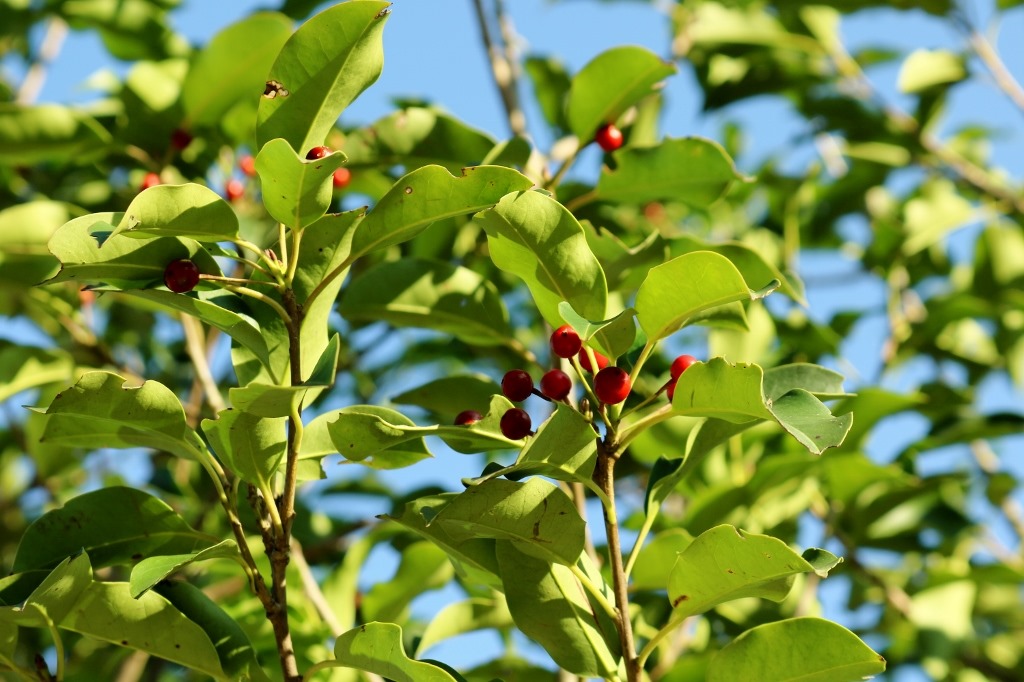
[(925, 69), (57, 595), (100, 412), (820, 381), (798, 649), (115, 525), (450, 395), (424, 566), (466, 616), (429, 194), (677, 291), (377, 648), (722, 390), (320, 70), (377, 436), (107, 612), (537, 239), (253, 447), (656, 559), (48, 132), (535, 513), (233, 66), (809, 421), (693, 170), (88, 255), (296, 191), (756, 270), (549, 605), (152, 570), (431, 294), (725, 563), (618, 332), (609, 84), (191, 211)]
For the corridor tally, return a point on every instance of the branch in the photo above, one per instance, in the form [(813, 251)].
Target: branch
[(53, 40), (502, 65), (993, 62)]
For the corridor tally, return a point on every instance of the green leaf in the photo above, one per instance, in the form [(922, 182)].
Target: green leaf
[(535, 513), (115, 525), (25, 367), (152, 570), (253, 447), (89, 255), (107, 612), (391, 439), (450, 395), (192, 211), (233, 66), (424, 566), (925, 69), (815, 379), (796, 650), (57, 595), (609, 84), (550, 606), (693, 170), (618, 332), (320, 70), (417, 292), (722, 390), (809, 421), (377, 648), (656, 559), (537, 239), (725, 563), (429, 194), (551, 83), (99, 412), (465, 616), (753, 266), (675, 292), (296, 191), (48, 132)]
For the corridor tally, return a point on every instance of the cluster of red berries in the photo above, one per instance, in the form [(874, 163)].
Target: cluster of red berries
[(342, 176)]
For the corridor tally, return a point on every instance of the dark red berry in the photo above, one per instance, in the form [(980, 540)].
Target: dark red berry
[(317, 153), (515, 424), (467, 417), (341, 178), (234, 189), (180, 138), (181, 275), (671, 390), (516, 385), (565, 342), (151, 180), (612, 385), (555, 384), (248, 165), (608, 137), (602, 361), (681, 364)]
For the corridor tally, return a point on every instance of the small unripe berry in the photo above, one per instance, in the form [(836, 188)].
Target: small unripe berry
[(151, 180), (515, 424), (555, 384), (602, 361), (612, 385), (681, 364), (467, 417), (248, 165), (516, 385), (341, 178), (317, 153), (181, 275), (608, 137), (234, 189), (565, 342)]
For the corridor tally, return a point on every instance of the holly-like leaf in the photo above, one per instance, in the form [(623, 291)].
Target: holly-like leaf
[(693, 170), (432, 294), (618, 332), (722, 390), (609, 84), (48, 132), (191, 211), (320, 70), (115, 525), (296, 191), (429, 194), (152, 570), (448, 396), (797, 649), (391, 439), (377, 648), (809, 421), (252, 446), (754, 267)]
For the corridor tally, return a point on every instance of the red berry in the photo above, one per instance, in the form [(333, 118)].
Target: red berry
[(181, 275), (565, 342), (248, 165), (681, 364), (608, 137), (180, 138), (234, 189), (342, 176), (317, 153), (515, 424), (151, 180), (467, 417), (516, 385), (612, 385), (602, 361), (671, 390), (556, 384)]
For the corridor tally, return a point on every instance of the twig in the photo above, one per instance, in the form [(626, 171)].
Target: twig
[(993, 62), (53, 40), (502, 67), (196, 347)]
